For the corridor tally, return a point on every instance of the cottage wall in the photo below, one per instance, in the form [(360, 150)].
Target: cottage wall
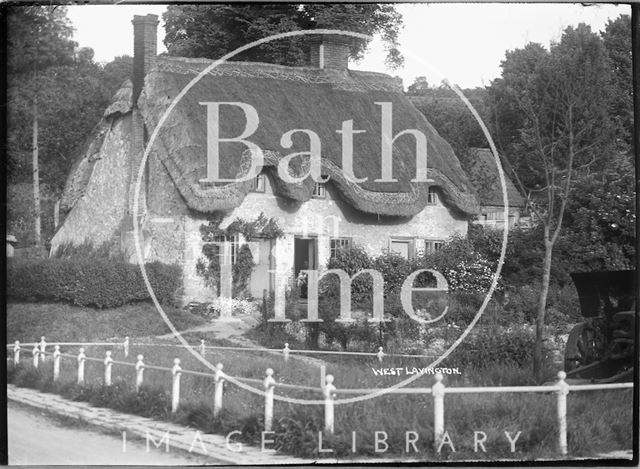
[(98, 214), (318, 218)]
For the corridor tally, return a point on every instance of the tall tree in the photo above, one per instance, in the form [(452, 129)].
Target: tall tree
[(451, 117), (55, 97), (563, 97), (38, 38), (617, 41), (211, 31)]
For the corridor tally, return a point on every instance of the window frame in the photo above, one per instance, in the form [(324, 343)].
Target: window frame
[(431, 246), (411, 242), (343, 241), (235, 248), (320, 189), (257, 182), (432, 196)]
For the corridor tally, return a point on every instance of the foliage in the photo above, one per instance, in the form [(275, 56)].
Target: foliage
[(451, 117), (485, 347), (565, 129), (617, 41), (228, 307), (210, 31), (38, 37), (53, 82), (86, 250), (90, 282), (600, 223), (262, 227), (419, 86)]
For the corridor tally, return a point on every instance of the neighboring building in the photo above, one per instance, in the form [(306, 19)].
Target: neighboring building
[(483, 174), (403, 216)]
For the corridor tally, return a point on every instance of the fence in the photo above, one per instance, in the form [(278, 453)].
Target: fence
[(329, 390)]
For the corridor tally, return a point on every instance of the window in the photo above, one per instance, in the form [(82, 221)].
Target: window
[(402, 246), (431, 246), (258, 183), (320, 191), (432, 197), (232, 253), (339, 243)]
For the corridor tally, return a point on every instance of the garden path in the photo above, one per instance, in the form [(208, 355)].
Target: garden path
[(233, 331)]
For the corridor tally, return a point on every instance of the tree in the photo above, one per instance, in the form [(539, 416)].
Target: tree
[(599, 231), (419, 86), (38, 37), (55, 97), (617, 41), (451, 117), (116, 72), (210, 31), (563, 97)]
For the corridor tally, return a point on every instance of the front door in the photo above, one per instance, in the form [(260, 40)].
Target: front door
[(304, 258)]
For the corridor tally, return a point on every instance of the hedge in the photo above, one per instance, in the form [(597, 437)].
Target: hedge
[(99, 283)]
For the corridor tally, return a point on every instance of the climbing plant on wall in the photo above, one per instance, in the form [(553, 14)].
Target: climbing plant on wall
[(209, 268)]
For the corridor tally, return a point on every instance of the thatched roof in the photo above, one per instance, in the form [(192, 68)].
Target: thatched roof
[(483, 174), (294, 98)]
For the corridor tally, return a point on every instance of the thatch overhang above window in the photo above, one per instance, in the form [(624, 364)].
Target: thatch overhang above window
[(288, 98)]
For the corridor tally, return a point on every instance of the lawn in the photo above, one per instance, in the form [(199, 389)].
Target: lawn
[(58, 321)]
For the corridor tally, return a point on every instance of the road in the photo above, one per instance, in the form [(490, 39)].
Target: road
[(36, 438)]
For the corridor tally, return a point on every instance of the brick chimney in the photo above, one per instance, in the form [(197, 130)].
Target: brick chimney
[(145, 49), (330, 51)]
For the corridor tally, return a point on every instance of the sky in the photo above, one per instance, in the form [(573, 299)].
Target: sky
[(464, 43)]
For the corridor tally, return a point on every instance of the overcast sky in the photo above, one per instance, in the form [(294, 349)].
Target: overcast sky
[(463, 42)]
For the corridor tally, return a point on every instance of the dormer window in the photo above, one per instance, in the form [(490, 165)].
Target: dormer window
[(320, 190), (432, 197), (258, 184)]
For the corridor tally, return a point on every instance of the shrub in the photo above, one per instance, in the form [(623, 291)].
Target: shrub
[(491, 345), (102, 283)]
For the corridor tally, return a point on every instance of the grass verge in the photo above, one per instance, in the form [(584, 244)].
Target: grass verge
[(598, 421), (63, 322)]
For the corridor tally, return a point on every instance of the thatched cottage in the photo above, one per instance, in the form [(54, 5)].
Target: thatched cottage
[(317, 218)]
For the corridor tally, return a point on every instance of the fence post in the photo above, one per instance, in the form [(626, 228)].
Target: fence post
[(203, 348), (139, 372), (562, 411), (35, 352), (16, 352), (438, 410), (56, 363), (329, 395), (217, 393), (125, 345), (380, 354), (269, 386), (43, 346), (285, 352), (175, 392), (81, 358), (107, 368)]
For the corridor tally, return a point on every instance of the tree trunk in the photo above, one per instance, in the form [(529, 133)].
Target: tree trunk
[(538, 358), (36, 178)]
